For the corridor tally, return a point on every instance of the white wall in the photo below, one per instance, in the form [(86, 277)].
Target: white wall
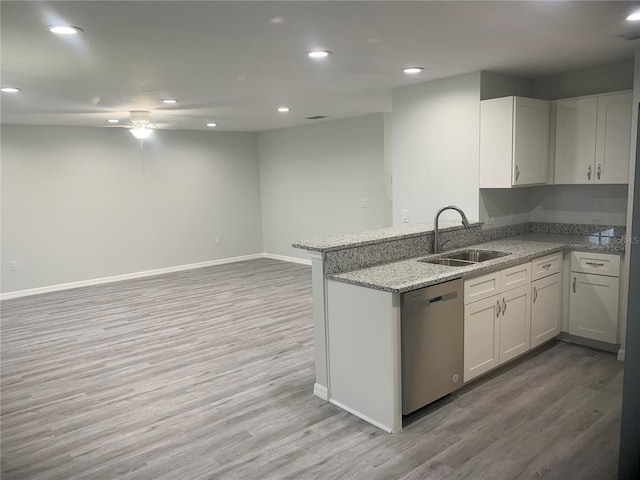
[(77, 204), (314, 177), (505, 206), (436, 141), (576, 203)]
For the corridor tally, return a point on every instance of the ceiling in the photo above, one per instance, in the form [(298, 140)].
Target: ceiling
[(236, 62)]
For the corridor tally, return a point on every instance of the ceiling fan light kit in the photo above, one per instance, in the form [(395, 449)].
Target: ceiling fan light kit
[(141, 132)]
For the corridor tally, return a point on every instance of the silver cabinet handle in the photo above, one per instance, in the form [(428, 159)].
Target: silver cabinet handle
[(599, 171), (595, 264), (574, 284), (589, 172), (535, 294), (504, 306), (546, 266), (517, 172), (498, 310)]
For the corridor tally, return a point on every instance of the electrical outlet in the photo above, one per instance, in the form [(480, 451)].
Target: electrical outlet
[(218, 240), (511, 218), (13, 266), (405, 216), (596, 214), (365, 203)]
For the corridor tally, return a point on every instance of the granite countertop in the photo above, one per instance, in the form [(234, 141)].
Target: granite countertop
[(339, 242), (599, 243), (406, 275)]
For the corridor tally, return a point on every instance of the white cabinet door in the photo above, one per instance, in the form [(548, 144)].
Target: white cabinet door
[(530, 142), (613, 138), (481, 336), (515, 324), (514, 142), (575, 140), (546, 309), (593, 307)]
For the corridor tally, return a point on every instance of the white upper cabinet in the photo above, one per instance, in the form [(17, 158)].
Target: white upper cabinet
[(514, 142), (593, 137), (613, 138)]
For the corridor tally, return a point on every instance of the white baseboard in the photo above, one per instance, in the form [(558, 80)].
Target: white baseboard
[(321, 391), (362, 416), (126, 276), (147, 273), (302, 261), (621, 354)]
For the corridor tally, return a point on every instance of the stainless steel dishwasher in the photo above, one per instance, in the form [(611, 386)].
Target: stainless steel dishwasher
[(432, 343)]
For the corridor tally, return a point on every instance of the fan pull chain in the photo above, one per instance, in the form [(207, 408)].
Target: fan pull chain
[(144, 170)]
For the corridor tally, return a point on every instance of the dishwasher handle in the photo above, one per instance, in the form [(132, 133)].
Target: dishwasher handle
[(428, 302)]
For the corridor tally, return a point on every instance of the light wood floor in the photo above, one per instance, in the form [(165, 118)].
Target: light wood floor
[(208, 374)]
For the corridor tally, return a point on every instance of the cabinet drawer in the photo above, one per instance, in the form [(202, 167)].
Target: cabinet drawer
[(545, 266), (481, 287), (515, 276), (596, 263)]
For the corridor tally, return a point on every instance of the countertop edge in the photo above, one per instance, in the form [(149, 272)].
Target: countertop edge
[(428, 229), (477, 269)]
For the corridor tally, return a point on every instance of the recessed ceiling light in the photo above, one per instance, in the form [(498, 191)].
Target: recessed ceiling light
[(212, 124), (318, 53), (169, 101), (412, 69), (113, 120), (634, 17), (283, 109), (10, 90), (277, 20), (64, 29)]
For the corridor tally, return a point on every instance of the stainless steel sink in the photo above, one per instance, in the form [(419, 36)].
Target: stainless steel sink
[(449, 262), (475, 255), (463, 258)]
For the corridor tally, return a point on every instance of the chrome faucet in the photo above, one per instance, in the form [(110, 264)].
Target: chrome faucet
[(436, 231)]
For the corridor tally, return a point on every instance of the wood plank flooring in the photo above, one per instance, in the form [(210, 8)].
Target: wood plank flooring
[(208, 374)]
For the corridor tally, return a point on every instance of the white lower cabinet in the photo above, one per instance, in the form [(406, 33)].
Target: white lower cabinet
[(496, 327), (593, 307), (481, 336), (515, 324), (546, 309), (593, 296), (510, 311)]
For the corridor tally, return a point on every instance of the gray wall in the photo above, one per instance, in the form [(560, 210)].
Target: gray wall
[(86, 203), (600, 79), (629, 466), (435, 147), (314, 177), (496, 85)]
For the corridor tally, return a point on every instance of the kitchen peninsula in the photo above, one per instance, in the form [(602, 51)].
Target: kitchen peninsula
[(358, 282)]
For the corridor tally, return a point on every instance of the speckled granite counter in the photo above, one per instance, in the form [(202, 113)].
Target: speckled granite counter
[(405, 275), (598, 243), (341, 242)]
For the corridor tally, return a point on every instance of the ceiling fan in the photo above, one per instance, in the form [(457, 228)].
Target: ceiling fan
[(139, 124)]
